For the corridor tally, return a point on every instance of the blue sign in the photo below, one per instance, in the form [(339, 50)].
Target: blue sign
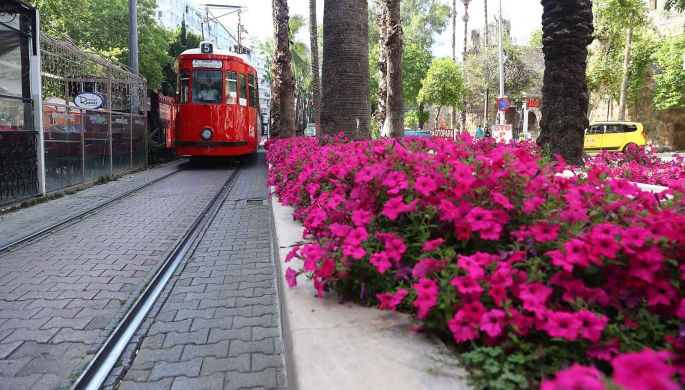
[(503, 104)]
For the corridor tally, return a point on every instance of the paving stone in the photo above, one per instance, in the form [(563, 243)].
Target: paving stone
[(10, 367), (161, 355), (211, 365), (41, 365), (218, 323), (167, 369), (266, 379), (20, 382), (211, 382), (163, 384), (9, 348), (48, 382), (265, 321), (216, 335), (41, 336), (239, 347), (259, 333), (218, 350), (76, 336), (204, 313), (73, 323), (198, 337), (166, 327), (33, 349), (260, 362)]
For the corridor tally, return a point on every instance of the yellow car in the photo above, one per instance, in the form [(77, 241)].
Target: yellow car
[(614, 136)]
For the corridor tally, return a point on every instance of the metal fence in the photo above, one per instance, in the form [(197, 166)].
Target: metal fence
[(81, 145)]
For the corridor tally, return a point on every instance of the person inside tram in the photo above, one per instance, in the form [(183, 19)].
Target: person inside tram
[(207, 94)]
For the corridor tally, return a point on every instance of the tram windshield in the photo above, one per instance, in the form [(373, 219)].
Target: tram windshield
[(206, 86)]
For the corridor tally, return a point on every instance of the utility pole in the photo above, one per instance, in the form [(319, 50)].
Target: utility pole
[(501, 64), (133, 36), (240, 28)]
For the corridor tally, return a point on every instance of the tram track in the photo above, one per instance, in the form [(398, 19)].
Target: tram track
[(55, 226), (99, 368)]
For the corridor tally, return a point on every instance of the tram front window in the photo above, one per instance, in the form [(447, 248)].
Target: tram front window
[(206, 86)]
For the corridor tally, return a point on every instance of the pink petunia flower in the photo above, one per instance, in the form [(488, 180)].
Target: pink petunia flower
[(427, 296), (380, 261), (479, 218), (576, 378), (291, 277), (466, 285), (432, 245), (562, 325), (390, 301), (644, 370), (425, 185), (591, 325), (501, 200), (462, 327), (493, 322), (361, 218), (544, 232), (426, 267)]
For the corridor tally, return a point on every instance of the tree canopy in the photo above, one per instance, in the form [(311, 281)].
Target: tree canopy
[(443, 85), (670, 82)]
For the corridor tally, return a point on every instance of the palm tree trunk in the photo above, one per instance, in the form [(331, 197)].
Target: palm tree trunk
[(346, 105), (463, 69), (624, 82), (395, 116), (567, 31), (454, 51), (316, 82), (382, 94), (487, 90), (283, 71), (275, 111)]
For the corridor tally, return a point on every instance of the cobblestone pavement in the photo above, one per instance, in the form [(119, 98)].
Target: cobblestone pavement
[(220, 326), (60, 296), (24, 222)]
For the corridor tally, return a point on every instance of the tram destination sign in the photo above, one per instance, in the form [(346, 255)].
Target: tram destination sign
[(213, 64)]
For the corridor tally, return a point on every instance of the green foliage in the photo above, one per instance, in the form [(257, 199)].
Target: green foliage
[(678, 5), (620, 15), (414, 117), (179, 41), (423, 19), (535, 39), (416, 60), (492, 368), (444, 85), (670, 82)]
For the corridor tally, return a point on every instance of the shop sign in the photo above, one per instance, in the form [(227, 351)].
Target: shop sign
[(89, 100)]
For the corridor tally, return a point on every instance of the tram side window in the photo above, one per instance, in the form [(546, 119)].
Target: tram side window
[(243, 90), (231, 88), (253, 90), (206, 86), (184, 78)]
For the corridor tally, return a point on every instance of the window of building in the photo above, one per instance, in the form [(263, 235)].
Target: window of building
[(231, 88), (243, 90), (183, 83), (159, 14), (206, 86)]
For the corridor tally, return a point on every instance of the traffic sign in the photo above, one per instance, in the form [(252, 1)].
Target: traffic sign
[(503, 104)]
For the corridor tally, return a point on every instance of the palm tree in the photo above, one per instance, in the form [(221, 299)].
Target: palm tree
[(567, 31), (466, 25), (283, 75), (382, 93), (395, 105), (346, 104), (316, 83), (454, 49)]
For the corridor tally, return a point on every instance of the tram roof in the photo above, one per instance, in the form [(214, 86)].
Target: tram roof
[(221, 53)]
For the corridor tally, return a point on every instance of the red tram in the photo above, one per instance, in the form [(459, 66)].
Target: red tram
[(217, 104)]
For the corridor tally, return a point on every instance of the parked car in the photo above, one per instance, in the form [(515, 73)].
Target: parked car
[(614, 136), (417, 133)]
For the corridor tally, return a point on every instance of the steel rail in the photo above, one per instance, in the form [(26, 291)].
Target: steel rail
[(97, 371), (91, 210)]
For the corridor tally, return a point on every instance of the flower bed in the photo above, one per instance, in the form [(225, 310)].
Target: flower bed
[(527, 272), (640, 165)]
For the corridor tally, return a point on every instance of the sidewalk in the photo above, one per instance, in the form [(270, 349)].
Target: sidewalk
[(24, 222)]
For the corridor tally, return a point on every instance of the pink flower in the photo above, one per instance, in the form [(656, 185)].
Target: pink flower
[(395, 248), (576, 378), (425, 185), (291, 277), (395, 206), (356, 236), (390, 301), (356, 252), (427, 296), (380, 261), (361, 218), (605, 351), (467, 285), (462, 327), (562, 325), (340, 230), (501, 200), (543, 231), (426, 267), (635, 236), (661, 292), (492, 322), (479, 218), (644, 370), (532, 204), (681, 310), (591, 325), (432, 245), (471, 266)]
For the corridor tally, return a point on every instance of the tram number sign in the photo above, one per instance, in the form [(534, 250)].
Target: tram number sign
[(206, 48), (503, 104), (214, 64), (443, 133)]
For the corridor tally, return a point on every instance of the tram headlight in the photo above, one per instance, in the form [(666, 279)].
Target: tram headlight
[(207, 133)]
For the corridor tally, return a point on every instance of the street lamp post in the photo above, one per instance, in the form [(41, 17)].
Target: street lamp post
[(501, 64), (133, 36)]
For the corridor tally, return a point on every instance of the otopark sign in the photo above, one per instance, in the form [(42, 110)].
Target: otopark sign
[(502, 133), (503, 104), (443, 133)]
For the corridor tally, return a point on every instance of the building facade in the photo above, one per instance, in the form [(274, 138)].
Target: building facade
[(170, 13), (261, 64)]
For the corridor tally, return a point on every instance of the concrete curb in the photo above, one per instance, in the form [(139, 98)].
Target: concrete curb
[(337, 346)]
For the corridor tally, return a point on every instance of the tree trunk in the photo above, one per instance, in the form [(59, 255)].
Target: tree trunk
[(421, 122), (382, 94), (486, 22), (297, 115), (316, 82), (437, 117), (463, 68), (454, 51), (567, 31), (275, 111), (395, 115), (487, 90), (624, 82), (283, 71), (346, 105)]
